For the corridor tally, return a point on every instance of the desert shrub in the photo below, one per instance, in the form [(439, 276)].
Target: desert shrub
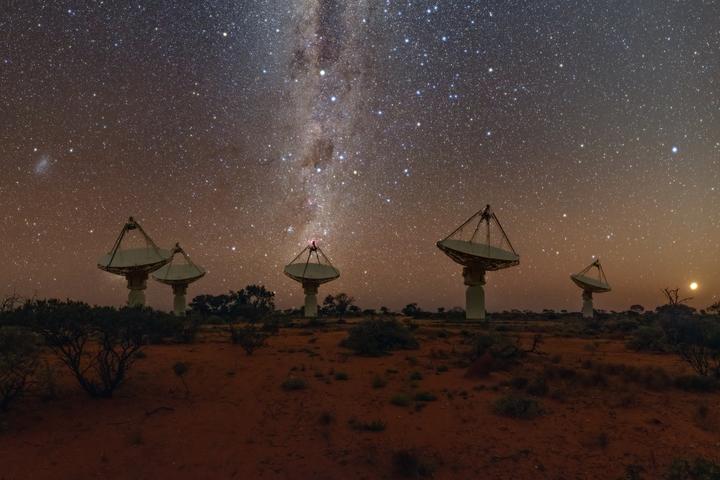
[(697, 469), (326, 418), (378, 382), (294, 383), (180, 369), (696, 340), (516, 406), (415, 376), (18, 362), (373, 426), (518, 383), (648, 339), (441, 368), (248, 337), (341, 376), (537, 387), (425, 397), (697, 383), (378, 337), (401, 400), (504, 350), (98, 345), (410, 464)]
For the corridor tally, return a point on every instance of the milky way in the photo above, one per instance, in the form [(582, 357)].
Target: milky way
[(246, 129)]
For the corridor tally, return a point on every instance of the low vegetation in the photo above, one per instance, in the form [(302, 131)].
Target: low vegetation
[(18, 362), (377, 337), (412, 464), (294, 383), (248, 337), (516, 406)]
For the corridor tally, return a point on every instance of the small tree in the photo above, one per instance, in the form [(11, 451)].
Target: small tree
[(249, 338), (637, 309), (18, 361), (338, 304), (98, 345), (411, 310)]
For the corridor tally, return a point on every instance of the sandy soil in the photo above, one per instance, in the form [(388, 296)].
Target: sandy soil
[(239, 423)]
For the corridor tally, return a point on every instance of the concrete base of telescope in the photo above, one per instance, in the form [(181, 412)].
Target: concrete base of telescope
[(311, 307), (179, 301), (137, 283), (475, 293), (587, 307)]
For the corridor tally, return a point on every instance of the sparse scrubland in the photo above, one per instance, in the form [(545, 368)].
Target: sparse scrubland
[(245, 390)]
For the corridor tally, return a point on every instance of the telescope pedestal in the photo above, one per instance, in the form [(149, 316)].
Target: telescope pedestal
[(311, 290), (137, 283), (587, 307), (475, 293), (179, 292)]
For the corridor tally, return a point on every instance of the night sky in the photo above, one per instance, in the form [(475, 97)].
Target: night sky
[(245, 129)]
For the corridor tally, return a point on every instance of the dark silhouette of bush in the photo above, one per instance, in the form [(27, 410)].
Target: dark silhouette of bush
[(697, 383), (294, 383), (97, 344), (337, 305), (377, 337), (697, 469), (410, 464), (504, 351), (252, 303), (248, 337), (515, 406), (696, 340), (648, 339), (18, 362)]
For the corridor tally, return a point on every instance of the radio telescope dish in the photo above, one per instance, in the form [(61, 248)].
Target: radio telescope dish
[(311, 268), (479, 245), (179, 274), (134, 256), (590, 284)]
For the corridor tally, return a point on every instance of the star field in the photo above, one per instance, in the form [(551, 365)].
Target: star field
[(244, 129)]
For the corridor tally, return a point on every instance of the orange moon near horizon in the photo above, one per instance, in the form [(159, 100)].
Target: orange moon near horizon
[(694, 286)]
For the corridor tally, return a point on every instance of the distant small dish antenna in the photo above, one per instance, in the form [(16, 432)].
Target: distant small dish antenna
[(479, 245), (592, 280), (311, 268), (134, 256), (179, 273)]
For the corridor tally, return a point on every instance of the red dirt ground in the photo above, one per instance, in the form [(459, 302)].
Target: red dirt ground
[(239, 423)]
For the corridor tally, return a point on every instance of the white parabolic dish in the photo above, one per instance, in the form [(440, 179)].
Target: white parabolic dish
[(134, 260), (482, 255), (173, 274), (590, 284), (313, 272)]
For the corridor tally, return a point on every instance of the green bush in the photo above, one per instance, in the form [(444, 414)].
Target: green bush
[(248, 337), (410, 464), (373, 426), (378, 382), (696, 340), (18, 362), (341, 376), (98, 344), (697, 469), (505, 351), (377, 337), (537, 387), (697, 383), (425, 397), (515, 406), (648, 339), (401, 400), (294, 383)]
